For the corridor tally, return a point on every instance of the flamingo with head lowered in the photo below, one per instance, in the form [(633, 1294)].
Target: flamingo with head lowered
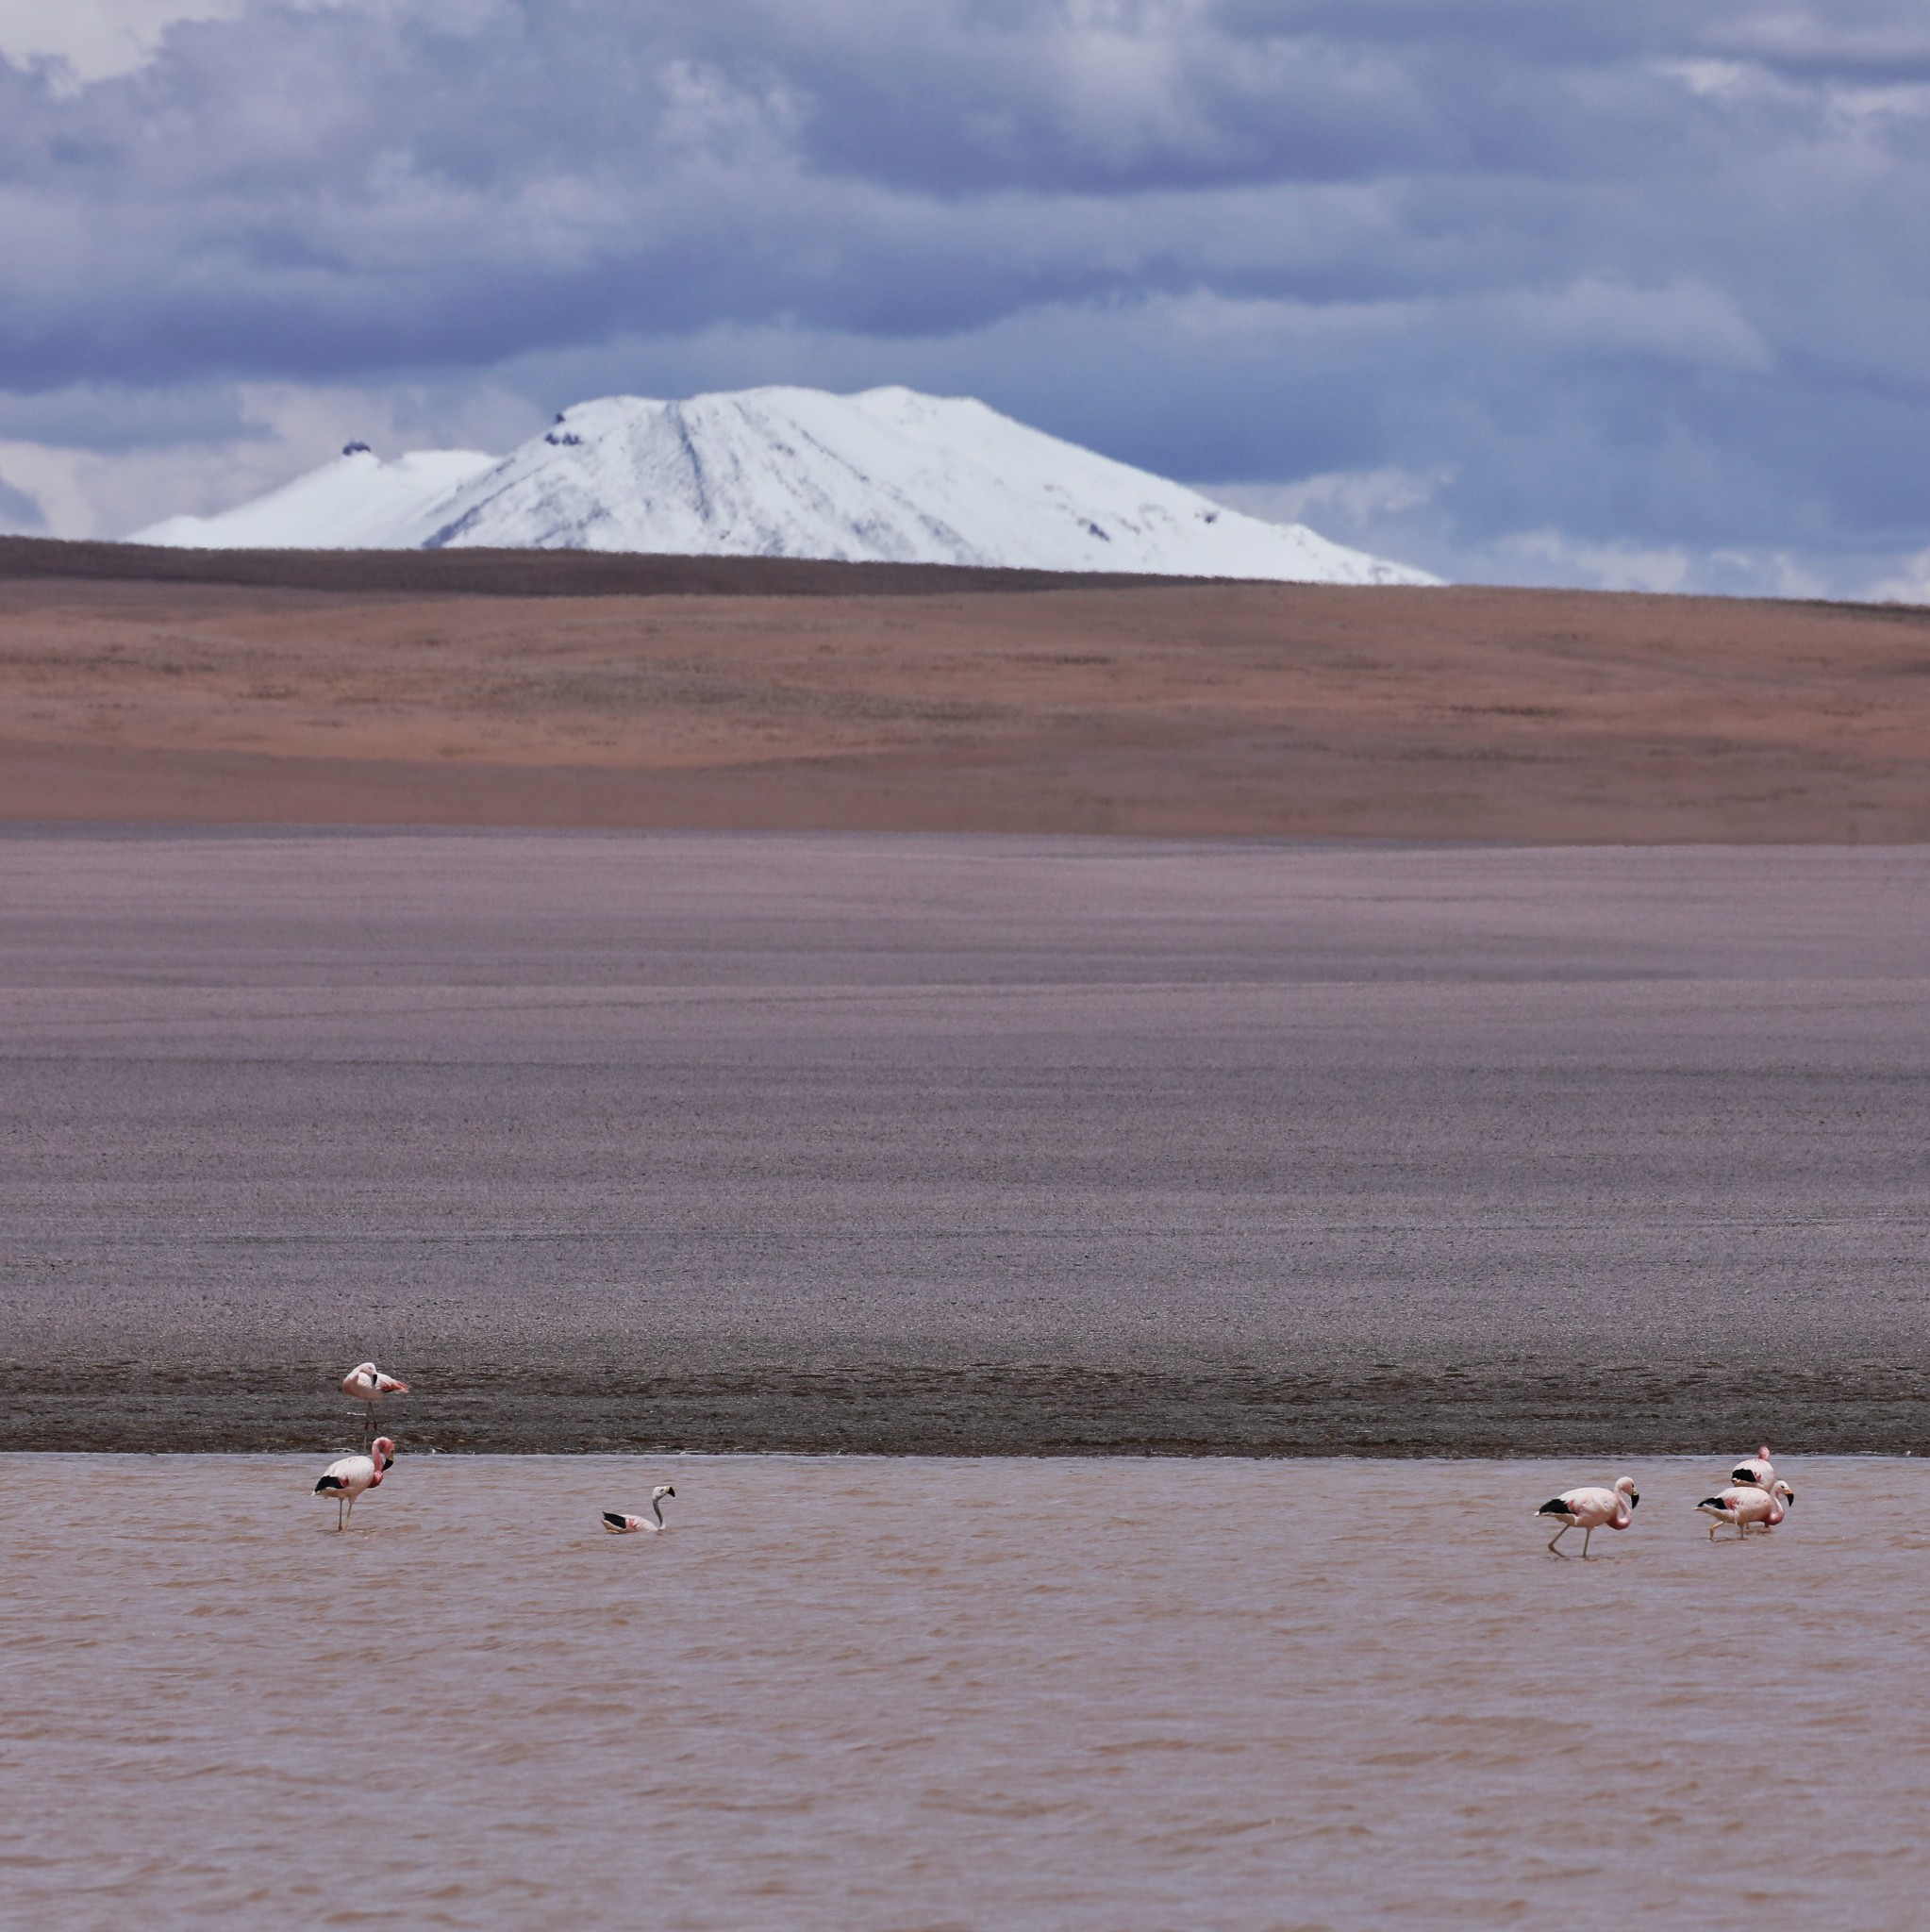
[(354, 1476), (619, 1525), (1748, 1508), (1588, 1510), (1756, 1469), (367, 1383)]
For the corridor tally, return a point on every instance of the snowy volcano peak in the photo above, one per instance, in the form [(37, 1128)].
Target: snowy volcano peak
[(887, 476)]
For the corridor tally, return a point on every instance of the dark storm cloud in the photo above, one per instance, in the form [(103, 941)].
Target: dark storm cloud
[(1639, 267), (315, 191)]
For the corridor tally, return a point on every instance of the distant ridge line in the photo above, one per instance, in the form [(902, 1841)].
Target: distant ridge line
[(542, 573)]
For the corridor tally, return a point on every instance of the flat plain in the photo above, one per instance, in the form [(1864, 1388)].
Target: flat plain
[(896, 1143), (558, 689)]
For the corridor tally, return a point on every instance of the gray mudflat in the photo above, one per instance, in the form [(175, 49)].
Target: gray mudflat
[(1002, 1145)]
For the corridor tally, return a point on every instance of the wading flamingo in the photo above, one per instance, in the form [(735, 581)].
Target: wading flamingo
[(1748, 1508), (346, 1480), (1588, 1510), (620, 1524), (367, 1383), (1755, 1469)]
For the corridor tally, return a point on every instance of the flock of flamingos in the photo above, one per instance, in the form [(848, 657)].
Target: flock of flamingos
[(355, 1475), (1754, 1500)]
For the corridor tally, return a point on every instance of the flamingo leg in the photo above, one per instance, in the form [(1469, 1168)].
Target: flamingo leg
[(1559, 1535), (1586, 1535)]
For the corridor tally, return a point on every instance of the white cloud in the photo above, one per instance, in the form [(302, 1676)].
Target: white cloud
[(1910, 584), (1684, 319), (1729, 81), (1349, 497), (97, 39), (1556, 557)]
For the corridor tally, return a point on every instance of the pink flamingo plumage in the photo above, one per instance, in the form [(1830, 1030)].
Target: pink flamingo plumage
[(354, 1476), (1756, 1469), (367, 1383), (1748, 1508), (1588, 1510)]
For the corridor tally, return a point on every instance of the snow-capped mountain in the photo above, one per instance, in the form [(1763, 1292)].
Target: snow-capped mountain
[(886, 476), (356, 503)]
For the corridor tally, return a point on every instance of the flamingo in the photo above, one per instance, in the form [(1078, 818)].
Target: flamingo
[(1756, 1470), (1748, 1508), (346, 1479), (620, 1524), (367, 1383), (1591, 1510)]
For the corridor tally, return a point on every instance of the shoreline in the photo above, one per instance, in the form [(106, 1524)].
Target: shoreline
[(986, 1412)]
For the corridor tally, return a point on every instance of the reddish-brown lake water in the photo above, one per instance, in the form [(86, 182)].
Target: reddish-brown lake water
[(924, 1693)]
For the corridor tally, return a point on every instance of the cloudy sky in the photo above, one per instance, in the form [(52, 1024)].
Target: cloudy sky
[(1532, 291)]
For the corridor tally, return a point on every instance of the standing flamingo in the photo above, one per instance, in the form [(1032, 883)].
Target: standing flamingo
[(1591, 1510), (367, 1383), (1756, 1469), (346, 1479), (1748, 1508), (620, 1524)]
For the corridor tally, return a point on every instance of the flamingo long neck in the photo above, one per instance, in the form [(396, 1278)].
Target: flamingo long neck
[(656, 1509)]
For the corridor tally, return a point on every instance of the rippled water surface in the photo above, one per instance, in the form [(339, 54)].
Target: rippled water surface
[(922, 1694)]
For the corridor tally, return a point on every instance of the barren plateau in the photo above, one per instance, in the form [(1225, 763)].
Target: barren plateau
[(574, 692)]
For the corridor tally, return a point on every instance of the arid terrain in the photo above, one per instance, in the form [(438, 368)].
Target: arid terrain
[(566, 691), (989, 1145), (1368, 1087)]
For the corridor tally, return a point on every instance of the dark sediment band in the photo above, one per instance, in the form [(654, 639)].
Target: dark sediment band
[(988, 1410), (532, 572)]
